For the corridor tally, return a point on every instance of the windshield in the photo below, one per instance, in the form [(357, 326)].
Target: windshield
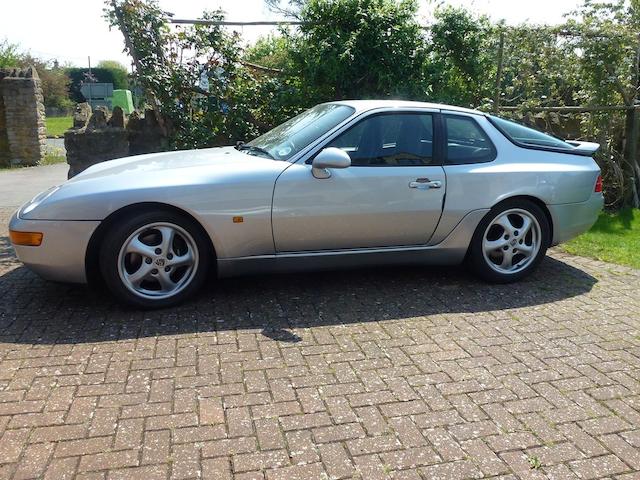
[(284, 141), (528, 136)]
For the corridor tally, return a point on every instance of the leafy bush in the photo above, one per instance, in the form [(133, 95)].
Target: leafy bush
[(378, 49), (118, 72), (360, 48)]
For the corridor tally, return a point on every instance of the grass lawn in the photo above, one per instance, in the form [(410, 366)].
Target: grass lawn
[(614, 238), (52, 158), (56, 126)]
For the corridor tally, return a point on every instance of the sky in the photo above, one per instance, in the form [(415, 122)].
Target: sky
[(73, 30)]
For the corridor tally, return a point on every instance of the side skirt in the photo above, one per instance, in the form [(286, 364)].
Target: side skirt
[(450, 251)]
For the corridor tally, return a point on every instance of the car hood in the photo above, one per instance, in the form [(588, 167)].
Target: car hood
[(175, 178), (174, 163)]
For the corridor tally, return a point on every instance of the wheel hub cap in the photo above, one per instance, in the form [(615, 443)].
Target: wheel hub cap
[(158, 260), (511, 241)]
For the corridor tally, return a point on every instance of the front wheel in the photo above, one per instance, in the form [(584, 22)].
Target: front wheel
[(510, 241), (155, 259)]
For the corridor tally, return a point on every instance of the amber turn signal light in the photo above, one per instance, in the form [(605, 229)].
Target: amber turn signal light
[(28, 239)]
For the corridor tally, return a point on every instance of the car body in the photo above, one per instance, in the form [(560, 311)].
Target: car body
[(302, 212)]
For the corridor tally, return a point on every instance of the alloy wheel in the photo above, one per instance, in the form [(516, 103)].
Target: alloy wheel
[(158, 260), (511, 241)]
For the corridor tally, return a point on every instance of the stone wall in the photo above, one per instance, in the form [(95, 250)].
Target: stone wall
[(99, 136), (22, 118)]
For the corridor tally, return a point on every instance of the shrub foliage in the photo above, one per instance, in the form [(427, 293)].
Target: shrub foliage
[(209, 90)]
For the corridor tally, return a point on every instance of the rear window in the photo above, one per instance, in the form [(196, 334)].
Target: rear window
[(528, 137)]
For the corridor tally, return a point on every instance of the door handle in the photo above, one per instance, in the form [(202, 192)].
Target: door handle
[(425, 184)]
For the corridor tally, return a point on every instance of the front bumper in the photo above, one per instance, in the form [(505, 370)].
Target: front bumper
[(61, 256), (572, 219)]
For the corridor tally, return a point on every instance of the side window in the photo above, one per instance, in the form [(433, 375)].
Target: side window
[(393, 140), (467, 142)]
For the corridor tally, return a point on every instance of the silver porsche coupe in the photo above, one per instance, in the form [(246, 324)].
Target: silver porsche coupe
[(345, 183)]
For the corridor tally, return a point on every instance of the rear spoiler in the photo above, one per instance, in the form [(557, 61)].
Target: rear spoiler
[(584, 148)]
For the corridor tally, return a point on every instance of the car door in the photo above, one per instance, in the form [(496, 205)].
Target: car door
[(391, 195)]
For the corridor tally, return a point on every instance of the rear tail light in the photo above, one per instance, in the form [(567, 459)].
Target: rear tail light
[(598, 188)]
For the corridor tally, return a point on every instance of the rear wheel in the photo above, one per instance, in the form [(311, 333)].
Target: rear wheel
[(155, 259), (510, 241)]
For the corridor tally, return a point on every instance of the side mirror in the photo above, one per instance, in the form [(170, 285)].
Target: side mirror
[(329, 158)]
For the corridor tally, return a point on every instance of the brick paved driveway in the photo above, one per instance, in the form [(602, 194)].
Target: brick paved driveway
[(394, 373)]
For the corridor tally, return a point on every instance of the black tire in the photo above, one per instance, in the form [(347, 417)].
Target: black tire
[(480, 264), (115, 239)]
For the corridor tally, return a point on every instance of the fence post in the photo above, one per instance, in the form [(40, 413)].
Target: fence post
[(632, 139)]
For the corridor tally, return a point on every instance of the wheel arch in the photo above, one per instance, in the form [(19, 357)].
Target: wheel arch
[(92, 256), (531, 198), (537, 202)]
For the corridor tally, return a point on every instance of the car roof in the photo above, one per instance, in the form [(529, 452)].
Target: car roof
[(364, 105)]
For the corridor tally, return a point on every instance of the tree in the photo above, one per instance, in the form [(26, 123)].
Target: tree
[(460, 57), (360, 48), (53, 79), (272, 51), (188, 73), (118, 72), (608, 36), (10, 55), (289, 8)]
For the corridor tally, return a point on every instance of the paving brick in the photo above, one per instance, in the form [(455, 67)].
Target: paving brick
[(469, 381), (512, 441), (337, 463), (445, 444), (466, 431), (156, 447), (185, 461), (199, 434), (582, 440), (244, 462), (598, 466), (296, 472), (34, 462), (12, 443), (484, 457), (452, 471), (108, 460), (338, 433), (601, 426), (302, 449), (230, 446), (216, 468), (410, 458), (623, 450), (308, 420), (407, 432), (269, 435), (369, 445), (176, 420), (61, 469), (340, 410), (86, 446), (150, 472)]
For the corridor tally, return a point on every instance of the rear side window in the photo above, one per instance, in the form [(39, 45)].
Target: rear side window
[(528, 137), (467, 142), (389, 140)]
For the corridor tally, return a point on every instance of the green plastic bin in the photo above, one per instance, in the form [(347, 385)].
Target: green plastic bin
[(122, 99)]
